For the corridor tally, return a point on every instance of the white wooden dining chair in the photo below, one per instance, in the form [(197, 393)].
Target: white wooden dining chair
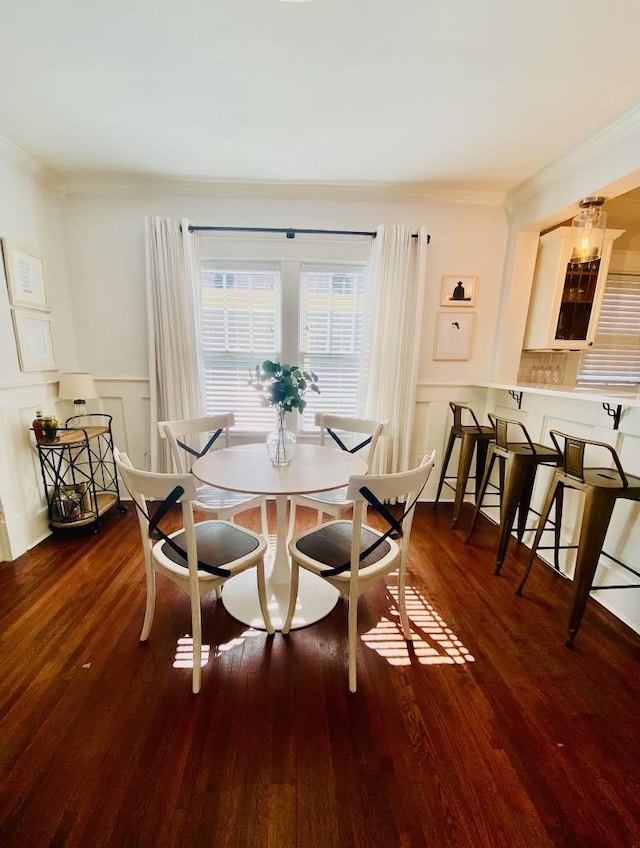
[(191, 438), (352, 556), (355, 435), (199, 558)]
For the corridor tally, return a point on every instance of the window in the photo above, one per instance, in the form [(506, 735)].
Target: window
[(614, 359), (332, 334), (240, 326), (312, 314)]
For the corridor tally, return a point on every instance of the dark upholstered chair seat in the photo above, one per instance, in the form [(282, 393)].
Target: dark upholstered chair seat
[(330, 546), (219, 544)]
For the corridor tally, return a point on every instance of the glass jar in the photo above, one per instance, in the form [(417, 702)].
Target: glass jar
[(50, 427), (281, 443)]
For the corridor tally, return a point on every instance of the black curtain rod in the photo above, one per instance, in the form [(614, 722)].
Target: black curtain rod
[(290, 232)]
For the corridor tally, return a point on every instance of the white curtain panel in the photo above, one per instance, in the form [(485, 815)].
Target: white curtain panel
[(397, 269), (175, 372)]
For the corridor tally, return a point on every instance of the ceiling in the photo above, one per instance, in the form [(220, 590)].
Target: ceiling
[(421, 91)]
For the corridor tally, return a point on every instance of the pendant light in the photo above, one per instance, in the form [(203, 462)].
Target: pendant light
[(587, 230)]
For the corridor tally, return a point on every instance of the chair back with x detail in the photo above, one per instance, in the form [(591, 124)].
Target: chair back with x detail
[(353, 556), (192, 438), (355, 435), (198, 558)]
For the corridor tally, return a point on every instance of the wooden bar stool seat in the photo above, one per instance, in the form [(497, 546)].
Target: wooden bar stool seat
[(519, 461), (473, 436), (602, 487)]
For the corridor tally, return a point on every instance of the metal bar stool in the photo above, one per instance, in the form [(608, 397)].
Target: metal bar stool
[(473, 437), (602, 487), (519, 462)]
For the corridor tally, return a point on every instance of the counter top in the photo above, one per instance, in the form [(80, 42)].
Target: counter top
[(602, 394)]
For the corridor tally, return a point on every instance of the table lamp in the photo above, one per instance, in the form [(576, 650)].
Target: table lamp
[(77, 386)]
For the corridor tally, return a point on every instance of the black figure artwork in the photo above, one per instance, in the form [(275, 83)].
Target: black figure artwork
[(458, 292)]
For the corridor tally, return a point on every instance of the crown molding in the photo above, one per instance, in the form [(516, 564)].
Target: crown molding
[(33, 166), (114, 184), (582, 154)]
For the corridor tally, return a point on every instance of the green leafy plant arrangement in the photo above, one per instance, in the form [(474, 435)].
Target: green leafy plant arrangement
[(283, 386)]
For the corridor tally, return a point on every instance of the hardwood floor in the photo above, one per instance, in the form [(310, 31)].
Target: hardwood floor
[(487, 731)]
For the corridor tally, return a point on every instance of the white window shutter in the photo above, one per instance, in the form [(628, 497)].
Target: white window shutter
[(332, 332), (614, 359), (240, 329)]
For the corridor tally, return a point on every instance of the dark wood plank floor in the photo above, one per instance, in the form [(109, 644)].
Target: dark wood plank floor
[(487, 731)]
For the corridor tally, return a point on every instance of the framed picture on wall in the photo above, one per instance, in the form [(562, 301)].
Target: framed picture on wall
[(34, 340), (24, 269), (453, 335), (458, 291)]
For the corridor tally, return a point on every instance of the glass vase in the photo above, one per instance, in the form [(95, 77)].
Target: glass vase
[(281, 443)]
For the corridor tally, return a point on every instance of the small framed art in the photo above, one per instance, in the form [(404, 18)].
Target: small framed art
[(34, 340), (458, 291), (453, 335), (25, 276)]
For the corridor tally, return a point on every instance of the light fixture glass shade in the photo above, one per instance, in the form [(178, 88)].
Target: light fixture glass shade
[(587, 230)]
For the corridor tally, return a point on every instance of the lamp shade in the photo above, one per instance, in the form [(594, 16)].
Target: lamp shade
[(77, 385)]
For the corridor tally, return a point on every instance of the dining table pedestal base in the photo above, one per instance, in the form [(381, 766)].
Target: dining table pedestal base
[(315, 600)]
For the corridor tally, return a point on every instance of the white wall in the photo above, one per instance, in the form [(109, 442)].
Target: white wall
[(105, 242), (29, 214)]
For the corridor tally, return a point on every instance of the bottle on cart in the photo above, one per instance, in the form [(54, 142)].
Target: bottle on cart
[(37, 425)]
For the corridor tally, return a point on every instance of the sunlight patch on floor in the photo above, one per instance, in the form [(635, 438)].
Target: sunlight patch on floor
[(238, 640), (184, 648), (184, 653), (433, 642)]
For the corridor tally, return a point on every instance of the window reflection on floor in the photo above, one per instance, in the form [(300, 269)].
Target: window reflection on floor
[(434, 643), (184, 648), (184, 653)]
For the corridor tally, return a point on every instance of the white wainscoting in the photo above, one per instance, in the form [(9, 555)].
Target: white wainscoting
[(23, 511)]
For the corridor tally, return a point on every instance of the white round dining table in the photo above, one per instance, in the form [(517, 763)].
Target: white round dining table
[(247, 468)]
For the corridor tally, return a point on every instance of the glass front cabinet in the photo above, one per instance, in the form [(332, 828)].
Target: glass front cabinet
[(566, 295)]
